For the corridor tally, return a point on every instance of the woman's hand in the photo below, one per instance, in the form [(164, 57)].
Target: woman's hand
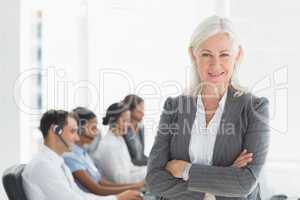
[(243, 159), (140, 185), (129, 195), (176, 167)]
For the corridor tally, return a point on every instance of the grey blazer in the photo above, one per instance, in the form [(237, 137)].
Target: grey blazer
[(244, 125)]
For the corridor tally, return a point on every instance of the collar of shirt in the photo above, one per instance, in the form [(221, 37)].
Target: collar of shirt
[(50, 154), (79, 150), (111, 134), (221, 103), (217, 115)]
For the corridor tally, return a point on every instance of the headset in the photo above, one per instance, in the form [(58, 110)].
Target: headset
[(86, 136), (58, 130)]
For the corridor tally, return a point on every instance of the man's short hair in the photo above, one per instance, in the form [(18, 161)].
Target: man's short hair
[(55, 117)]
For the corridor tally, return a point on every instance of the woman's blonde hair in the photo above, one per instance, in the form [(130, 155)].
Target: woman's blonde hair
[(209, 27)]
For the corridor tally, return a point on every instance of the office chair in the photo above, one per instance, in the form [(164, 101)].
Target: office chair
[(12, 182)]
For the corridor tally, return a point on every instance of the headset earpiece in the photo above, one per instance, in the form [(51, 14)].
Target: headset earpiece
[(57, 130), (81, 131)]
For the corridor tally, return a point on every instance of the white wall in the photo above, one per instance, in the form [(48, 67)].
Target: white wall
[(9, 69), (270, 37), (64, 64)]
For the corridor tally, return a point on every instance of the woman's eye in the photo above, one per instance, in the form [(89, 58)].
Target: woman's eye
[(224, 55), (205, 55)]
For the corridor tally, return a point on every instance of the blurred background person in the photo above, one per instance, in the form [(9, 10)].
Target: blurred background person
[(135, 137), (83, 168), (112, 156)]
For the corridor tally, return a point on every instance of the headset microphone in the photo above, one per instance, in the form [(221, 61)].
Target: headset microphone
[(81, 132), (59, 131), (87, 136)]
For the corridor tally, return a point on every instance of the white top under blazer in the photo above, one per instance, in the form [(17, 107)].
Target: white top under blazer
[(203, 138)]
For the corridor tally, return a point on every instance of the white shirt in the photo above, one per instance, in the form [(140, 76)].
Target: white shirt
[(203, 138), (46, 177), (113, 160)]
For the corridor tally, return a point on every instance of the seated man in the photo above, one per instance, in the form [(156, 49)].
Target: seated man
[(135, 135), (46, 177)]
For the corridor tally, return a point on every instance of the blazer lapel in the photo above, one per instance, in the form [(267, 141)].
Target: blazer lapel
[(188, 118), (231, 106)]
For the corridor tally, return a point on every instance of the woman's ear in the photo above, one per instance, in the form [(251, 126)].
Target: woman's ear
[(240, 54), (191, 53)]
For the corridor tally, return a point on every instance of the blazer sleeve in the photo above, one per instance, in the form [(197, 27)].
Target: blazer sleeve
[(238, 182), (158, 180)]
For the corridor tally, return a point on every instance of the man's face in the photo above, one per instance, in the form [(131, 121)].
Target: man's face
[(70, 132), (138, 112)]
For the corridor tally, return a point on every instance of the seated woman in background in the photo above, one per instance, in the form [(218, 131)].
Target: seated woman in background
[(135, 133), (112, 156), (84, 170), (91, 148)]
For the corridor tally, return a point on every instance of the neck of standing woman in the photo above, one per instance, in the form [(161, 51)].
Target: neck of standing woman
[(211, 95)]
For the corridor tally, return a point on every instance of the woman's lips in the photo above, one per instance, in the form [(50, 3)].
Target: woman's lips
[(215, 75)]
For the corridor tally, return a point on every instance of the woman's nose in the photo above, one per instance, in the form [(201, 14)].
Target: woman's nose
[(215, 60), (215, 63)]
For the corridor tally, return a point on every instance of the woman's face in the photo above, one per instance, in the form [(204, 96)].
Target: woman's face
[(91, 128), (123, 121), (215, 60), (138, 112)]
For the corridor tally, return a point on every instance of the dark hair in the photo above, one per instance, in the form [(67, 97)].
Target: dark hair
[(54, 117), (132, 100), (113, 113), (84, 114)]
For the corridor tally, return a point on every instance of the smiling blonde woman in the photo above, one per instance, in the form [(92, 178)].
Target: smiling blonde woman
[(212, 142)]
